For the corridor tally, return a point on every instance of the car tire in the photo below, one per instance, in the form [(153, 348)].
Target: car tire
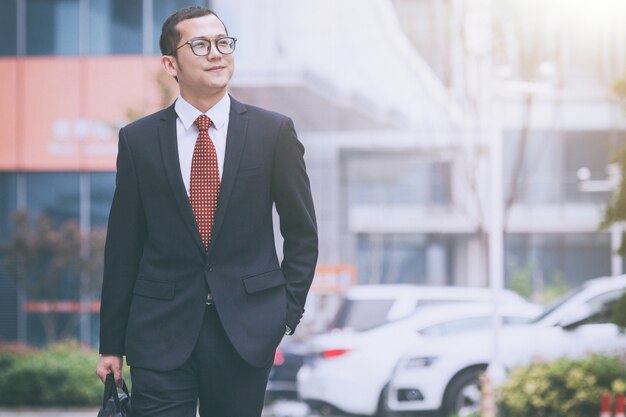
[(463, 392), (382, 410)]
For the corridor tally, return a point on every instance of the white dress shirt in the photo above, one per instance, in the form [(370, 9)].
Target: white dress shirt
[(187, 133)]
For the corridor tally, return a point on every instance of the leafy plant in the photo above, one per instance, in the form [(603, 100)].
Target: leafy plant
[(615, 210), (62, 375), (564, 387)]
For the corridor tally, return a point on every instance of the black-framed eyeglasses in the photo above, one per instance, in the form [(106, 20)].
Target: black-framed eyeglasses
[(202, 46)]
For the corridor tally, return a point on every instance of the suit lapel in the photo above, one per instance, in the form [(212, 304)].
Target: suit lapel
[(235, 141), (171, 162)]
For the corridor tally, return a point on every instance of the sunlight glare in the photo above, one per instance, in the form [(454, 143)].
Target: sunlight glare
[(592, 14)]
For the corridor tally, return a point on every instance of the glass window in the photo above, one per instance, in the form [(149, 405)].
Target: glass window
[(552, 263), (404, 258), (457, 326), (8, 289), (360, 315), (397, 178), (8, 202), (391, 259), (541, 176), (551, 161), (516, 320), (435, 301), (8, 307), (102, 188), (603, 307), (116, 27), (55, 194), (52, 27), (468, 324), (592, 150), (8, 28), (161, 11)]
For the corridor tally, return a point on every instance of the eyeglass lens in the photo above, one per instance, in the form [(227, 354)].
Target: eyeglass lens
[(203, 46)]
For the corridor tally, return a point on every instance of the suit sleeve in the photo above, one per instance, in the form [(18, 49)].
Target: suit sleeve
[(292, 195), (125, 235)]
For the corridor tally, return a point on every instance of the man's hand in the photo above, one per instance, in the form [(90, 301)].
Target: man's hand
[(110, 364)]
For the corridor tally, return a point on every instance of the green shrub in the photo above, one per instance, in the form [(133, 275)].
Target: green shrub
[(61, 375), (564, 387)]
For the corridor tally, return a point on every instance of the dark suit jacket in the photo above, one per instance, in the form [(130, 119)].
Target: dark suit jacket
[(157, 274)]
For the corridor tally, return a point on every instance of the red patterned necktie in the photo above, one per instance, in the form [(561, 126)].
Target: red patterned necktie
[(204, 186)]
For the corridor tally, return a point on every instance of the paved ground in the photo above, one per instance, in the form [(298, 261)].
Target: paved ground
[(286, 409), (49, 412)]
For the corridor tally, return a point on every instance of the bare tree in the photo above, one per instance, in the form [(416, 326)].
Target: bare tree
[(517, 44), (54, 263)]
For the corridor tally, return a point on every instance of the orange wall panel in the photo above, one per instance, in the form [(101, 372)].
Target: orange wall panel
[(117, 90), (69, 109), (48, 94), (8, 114)]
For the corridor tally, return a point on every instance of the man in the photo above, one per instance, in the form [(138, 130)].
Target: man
[(193, 293)]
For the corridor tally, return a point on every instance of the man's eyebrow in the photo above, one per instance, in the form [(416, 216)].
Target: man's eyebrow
[(206, 38)]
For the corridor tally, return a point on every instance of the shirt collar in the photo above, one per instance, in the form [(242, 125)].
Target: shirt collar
[(188, 113)]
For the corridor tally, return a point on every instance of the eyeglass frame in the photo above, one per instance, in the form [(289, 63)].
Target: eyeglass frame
[(210, 41)]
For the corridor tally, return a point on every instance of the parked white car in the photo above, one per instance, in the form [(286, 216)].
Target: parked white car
[(442, 373), (364, 307), (348, 372)]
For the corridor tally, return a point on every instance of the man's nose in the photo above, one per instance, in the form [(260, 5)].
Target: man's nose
[(214, 52)]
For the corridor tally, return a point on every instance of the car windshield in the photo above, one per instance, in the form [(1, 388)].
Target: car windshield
[(456, 326), (556, 304), (360, 315)]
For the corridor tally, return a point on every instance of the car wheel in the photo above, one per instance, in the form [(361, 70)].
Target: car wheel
[(462, 396), (326, 410), (382, 410)]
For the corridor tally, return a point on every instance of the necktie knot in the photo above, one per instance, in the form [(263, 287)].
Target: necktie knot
[(203, 123)]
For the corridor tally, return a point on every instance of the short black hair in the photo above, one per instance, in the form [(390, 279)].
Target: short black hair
[(170, 36)]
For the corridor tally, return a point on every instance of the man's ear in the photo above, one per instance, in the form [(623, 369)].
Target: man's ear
[(170, 64)]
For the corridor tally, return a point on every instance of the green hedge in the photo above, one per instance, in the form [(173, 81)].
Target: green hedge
[(61, 375), (564, 387)]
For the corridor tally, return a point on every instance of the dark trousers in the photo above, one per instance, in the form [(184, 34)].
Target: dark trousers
[(214, 375)]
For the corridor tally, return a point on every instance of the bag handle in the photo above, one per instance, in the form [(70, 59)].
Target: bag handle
[(125, 388), (110, 390)]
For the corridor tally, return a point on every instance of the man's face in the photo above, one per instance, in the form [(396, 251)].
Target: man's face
[(201, 75)]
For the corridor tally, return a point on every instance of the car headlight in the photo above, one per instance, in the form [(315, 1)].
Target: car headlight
[(419, 362)]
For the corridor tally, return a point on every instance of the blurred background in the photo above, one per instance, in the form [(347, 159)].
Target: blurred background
[(436, 132)]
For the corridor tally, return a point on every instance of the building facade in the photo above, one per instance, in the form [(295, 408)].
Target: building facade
[(396, 102)]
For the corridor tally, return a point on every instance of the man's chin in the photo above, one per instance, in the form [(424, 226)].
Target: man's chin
[(217, 85)]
